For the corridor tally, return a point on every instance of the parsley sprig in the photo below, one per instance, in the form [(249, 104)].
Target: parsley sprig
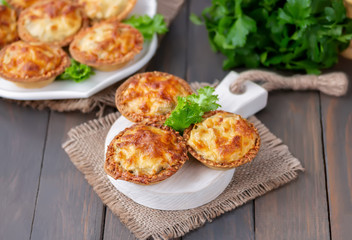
[(147, 25), (77, 72), (190, 109), (287, 34)]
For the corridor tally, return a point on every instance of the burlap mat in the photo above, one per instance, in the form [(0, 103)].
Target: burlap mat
[(99, 101), (273, 167)]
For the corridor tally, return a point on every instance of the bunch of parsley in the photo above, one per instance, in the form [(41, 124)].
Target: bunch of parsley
[(285, 34)]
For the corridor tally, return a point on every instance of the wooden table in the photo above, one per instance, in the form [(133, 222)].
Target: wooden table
[(43, 196)]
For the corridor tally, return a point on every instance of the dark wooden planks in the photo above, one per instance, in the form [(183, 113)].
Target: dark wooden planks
[(22, 139), (206, 66), (298, 210), (337, 126), (67, 207)]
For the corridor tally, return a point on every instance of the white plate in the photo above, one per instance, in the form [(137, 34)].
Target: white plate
[(68, 89)]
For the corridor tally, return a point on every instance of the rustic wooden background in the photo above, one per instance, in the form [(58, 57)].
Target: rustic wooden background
[(43, 196)]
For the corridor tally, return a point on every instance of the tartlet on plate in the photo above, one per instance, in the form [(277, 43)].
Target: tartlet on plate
[(145, 154), (107, 45), (222, 140), (107, 9), (150, 96), (8, 26), (32, 65), (55, 22)]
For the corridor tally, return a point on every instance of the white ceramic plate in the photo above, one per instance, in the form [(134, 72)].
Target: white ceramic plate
[(69, 89)]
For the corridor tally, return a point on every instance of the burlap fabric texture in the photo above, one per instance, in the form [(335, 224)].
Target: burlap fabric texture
[(274, 166), (98, 102)]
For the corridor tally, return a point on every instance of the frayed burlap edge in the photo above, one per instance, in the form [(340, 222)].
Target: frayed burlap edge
[(103, 187)]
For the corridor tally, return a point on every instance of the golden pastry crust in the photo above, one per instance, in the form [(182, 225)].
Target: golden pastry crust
[(107, 9), (150, 96), (55, 22), (27, 63), (107, 45), (8, 26), (20, 5), (222, 140), (145, 154)]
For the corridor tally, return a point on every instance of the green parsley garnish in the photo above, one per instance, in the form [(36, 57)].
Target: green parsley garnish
[(190, 109), (147, 25), (3, 2), (287, 34), (77, 72)]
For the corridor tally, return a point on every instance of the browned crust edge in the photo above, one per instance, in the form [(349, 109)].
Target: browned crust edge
[(65, 62), (146, 179), (16, 37), (105, 64), (249, 156), (135, 117), (27, 37)]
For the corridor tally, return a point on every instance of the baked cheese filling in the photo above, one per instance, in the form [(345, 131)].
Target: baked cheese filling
[(8, 26), (25, 60), (53, 21), (103, 9), (22, 4), (108, 42), (153, 94), (146, 150), (223, 137)]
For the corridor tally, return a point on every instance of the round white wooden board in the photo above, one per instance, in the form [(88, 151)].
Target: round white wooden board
[(68, 89), (192, 186)]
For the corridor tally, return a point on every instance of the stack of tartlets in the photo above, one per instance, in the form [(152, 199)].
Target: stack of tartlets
[(148, 152), (91, 29)]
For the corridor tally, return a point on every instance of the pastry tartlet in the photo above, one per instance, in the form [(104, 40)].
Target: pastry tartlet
[(222, 140), (150, 96), (145, 154), (107, 9), (19, 5), (32, 65), (8, 29), (107, 45), (54, 22)]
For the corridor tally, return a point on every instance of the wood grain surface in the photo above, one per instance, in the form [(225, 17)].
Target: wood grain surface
[(43, 196)]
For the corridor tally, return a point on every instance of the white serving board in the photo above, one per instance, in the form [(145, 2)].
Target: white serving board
[(194, 184), (68, 89)]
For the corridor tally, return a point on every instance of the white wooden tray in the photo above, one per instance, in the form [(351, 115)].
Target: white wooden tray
[(194, 184)]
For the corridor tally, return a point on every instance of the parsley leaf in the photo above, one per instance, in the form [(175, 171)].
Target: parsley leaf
[(190, 109), (285, 34), (3, 2), (147, 25), (77, 72)]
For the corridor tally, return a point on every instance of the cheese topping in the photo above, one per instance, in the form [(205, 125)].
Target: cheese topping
[(52, 21), (146, 150), (109, 41), (22, 4), (103, 9), (223, 137), (153, 94), (8, 29), (25, 60)]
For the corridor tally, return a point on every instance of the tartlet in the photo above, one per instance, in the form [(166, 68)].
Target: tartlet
[(8, 26), (107, 9), (222, 140), (145, 154), (107, 45), (150, 96), (32, 65), (55, 22)]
